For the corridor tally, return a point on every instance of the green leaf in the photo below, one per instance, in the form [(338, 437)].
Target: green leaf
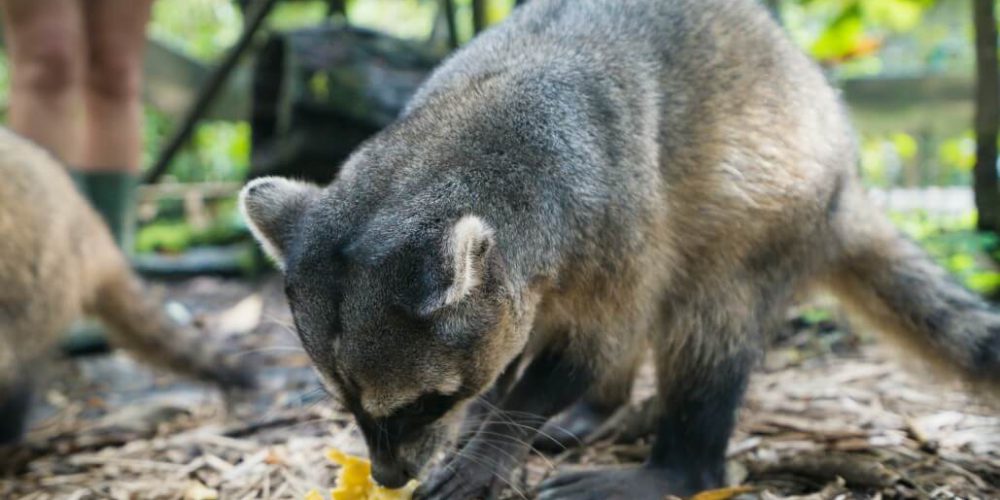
[(985, 282), (961, 262), (959, 152), (905, 144), (841, 36), (897, 15), (816, 315)]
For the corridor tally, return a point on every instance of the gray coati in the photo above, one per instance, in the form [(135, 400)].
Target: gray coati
[(585, 179), (57, 262)]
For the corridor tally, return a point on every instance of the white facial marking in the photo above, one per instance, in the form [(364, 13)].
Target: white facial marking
[(386, 402)]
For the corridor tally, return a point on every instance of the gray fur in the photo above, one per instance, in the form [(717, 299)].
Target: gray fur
[(669, 171)]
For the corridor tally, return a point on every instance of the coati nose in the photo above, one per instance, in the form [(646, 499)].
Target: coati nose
[(389, 474)]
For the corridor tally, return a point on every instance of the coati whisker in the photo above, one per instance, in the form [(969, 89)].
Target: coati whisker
[(507, 416), (498, 438), (492, 467), (500, 449)]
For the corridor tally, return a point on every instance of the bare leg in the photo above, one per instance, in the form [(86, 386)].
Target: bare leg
[(116, 31), (46, 46)]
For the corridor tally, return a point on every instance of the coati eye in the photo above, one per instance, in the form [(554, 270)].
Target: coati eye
[(429, 406), (414, 409)]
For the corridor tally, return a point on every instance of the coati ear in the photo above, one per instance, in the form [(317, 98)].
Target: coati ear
[(468, 246), (271, 207)]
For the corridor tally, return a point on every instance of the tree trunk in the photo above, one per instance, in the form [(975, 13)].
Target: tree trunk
[(478, 15), (775, 7), (449, 16), (986, 188)]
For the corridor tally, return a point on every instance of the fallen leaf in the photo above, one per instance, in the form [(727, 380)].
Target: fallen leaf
[(722, 493)]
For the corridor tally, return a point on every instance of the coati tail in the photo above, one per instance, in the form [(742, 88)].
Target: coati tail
[(892, 281), (139, 324)]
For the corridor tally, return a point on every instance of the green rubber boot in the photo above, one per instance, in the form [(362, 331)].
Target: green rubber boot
[(80, 181), (112, 194)]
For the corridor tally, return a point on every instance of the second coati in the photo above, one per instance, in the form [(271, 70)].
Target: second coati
[(585, 179), (58, 262)]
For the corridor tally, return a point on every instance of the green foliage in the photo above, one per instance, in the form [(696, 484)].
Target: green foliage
[(4, 83), (403, 18), (200, 28), (174, 234), (895, 15), (959, 152), (849, 34), (415, 18), (905, 145), (815, 315), (954, 243), (290, 15), (842, 35), (923, 160), (218, 151)]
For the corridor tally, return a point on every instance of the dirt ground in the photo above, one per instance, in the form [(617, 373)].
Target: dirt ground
[(828, 415)]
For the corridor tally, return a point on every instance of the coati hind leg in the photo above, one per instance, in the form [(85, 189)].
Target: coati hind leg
[(703, 363)]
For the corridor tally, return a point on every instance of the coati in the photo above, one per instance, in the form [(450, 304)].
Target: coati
[(57, 262), (584, 178)]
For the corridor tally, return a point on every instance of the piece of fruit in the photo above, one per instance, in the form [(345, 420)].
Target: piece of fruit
[(354, 482)]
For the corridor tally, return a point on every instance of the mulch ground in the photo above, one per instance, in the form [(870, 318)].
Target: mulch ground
[(829, 415)]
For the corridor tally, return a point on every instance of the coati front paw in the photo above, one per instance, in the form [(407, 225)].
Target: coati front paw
[(632, 483), (465, 478)]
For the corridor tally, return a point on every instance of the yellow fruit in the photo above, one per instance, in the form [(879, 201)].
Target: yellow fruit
[(354, 482)]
